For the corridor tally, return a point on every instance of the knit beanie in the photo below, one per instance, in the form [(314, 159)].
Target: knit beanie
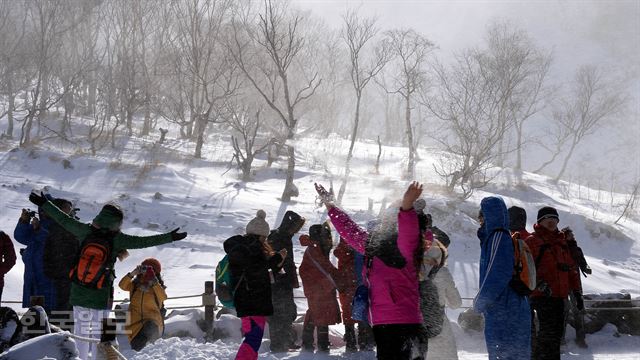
[(547, 212), (109, 218), (155, 264), (517, 218), (258, 225)]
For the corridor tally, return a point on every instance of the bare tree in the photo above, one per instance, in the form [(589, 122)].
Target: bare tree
[(631, 201), (520, 69), (357, 33), (246, 125), (466, 102), (269, 56), (591, 102), (206, 72), (13, 57), (410, 50)]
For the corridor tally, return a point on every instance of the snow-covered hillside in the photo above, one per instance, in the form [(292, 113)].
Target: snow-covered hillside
[(205, 198)]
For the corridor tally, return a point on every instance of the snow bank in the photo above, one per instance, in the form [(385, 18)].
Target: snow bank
[(58, 346)]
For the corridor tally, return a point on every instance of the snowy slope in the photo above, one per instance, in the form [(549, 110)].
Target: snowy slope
[(205, 198)]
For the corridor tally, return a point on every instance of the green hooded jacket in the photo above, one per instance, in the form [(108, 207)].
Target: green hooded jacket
[(99, 298)]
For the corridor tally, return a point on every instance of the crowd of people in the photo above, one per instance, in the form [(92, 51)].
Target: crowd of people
[(391, 279)]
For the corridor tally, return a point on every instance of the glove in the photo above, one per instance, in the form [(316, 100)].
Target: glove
[(175, 235), (579, 301), (37, 199)]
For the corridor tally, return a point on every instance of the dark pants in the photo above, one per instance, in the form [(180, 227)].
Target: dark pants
[(148, 334), (575, 318), (322, 335), (547, 338), (62, 314), (281, 332), (365, 337), (399, 341)]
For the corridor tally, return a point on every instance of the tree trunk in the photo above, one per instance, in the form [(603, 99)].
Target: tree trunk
[(407, 116), (566, 160), (93, 93), (12, 104), (146, 126), (290, 189), (377, 168), (347, 166), (201, 127), (519, 147)]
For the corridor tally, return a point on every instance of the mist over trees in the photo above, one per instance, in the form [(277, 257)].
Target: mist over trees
[(266, 73)]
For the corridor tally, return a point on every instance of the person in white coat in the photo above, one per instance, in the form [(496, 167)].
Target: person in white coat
[(443, 346)]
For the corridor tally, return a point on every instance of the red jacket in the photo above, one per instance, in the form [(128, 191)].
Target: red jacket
[(7, 256), (318, 285), (348, 281), (556, 266)]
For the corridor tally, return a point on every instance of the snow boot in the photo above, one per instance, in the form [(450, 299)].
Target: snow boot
[(307, 336), (365, 337), (323, 338), (350, 338)]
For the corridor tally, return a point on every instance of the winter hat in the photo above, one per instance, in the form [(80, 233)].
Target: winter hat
[(547, 212), (155, 264), (110, 217), (258, 225), (517, 218), (319, 233), (291, 222)]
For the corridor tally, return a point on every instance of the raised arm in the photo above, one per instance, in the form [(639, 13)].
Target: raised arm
[(353, 234), (124, 241), (408, 224)]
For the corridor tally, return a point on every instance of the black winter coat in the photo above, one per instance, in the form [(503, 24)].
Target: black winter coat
[(250, 274), (282, 239), (60, 252)]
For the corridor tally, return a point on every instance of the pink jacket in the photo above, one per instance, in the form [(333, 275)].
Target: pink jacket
[(393, 293)]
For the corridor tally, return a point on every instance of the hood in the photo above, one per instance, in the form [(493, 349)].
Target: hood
[(245, 241), (495, 215), (291, 222), (517, 218)]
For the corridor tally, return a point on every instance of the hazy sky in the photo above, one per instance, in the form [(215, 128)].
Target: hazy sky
[(605, 31)]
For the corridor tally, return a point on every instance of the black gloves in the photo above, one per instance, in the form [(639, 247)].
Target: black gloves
[(37, 199), (579, 300), (175, 235)]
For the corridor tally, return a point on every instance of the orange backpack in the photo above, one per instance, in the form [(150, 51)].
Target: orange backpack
[(523, 280), (94, 267)]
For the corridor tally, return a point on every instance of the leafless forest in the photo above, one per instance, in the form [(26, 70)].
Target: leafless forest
[(266, 72)]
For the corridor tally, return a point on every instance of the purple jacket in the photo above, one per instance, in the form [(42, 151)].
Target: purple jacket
[(393, 293)]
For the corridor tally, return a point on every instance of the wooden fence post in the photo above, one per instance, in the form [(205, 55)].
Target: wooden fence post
[(209, 302)]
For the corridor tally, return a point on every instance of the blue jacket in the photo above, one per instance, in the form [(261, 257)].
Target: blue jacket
[(35, 282), (507, 314)]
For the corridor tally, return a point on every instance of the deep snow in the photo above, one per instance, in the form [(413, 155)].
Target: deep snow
[(207, 200)]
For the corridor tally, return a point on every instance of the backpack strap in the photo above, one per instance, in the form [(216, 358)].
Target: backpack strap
[(323, 271)]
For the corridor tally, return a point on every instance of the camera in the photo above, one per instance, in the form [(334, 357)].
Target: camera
[(31, 213)]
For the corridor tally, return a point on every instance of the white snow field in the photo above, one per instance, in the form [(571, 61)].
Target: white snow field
[(204, 198)]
